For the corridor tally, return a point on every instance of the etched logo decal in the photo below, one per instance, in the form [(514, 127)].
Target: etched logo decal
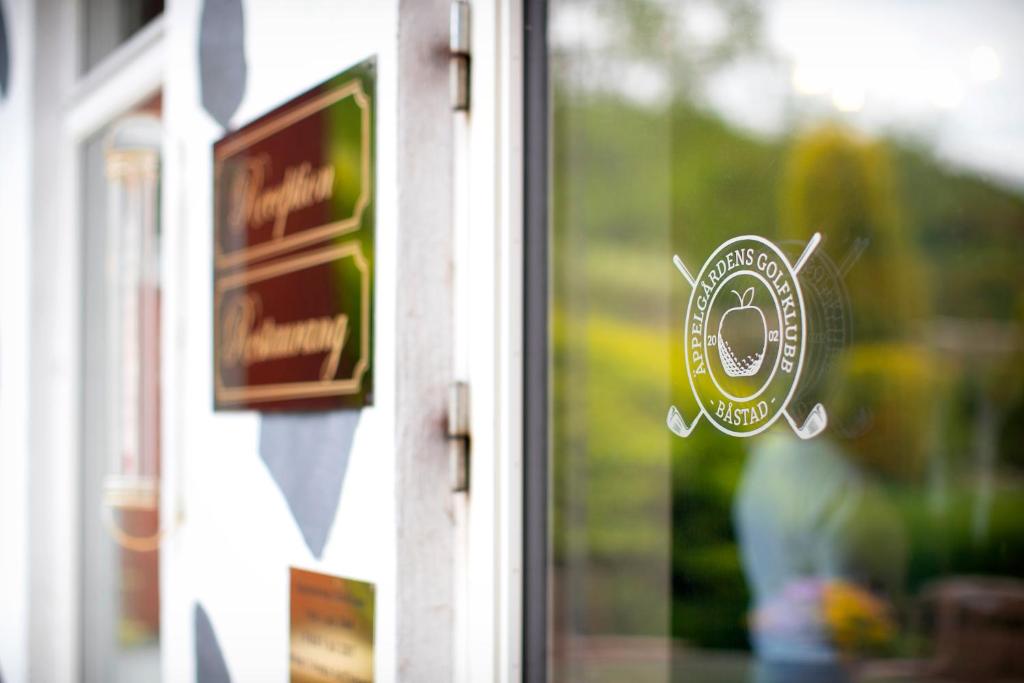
[(745, 336)]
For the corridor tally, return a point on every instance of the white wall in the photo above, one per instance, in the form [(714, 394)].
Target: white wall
[(15, 139), (239, 539)]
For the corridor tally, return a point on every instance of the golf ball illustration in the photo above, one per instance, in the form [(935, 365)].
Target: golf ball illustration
[(742, 337)]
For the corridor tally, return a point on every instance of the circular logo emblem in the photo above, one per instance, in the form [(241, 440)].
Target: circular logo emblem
[(745, 331)]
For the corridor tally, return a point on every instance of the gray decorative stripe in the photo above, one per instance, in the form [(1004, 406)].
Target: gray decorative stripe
[(210, 664), (307, 455), (222, 65), (5, 55)]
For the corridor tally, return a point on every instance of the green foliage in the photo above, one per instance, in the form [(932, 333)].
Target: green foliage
[(844, 186), (893, 388)]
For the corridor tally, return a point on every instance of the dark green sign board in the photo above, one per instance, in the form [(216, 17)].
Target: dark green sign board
[(293, 252)]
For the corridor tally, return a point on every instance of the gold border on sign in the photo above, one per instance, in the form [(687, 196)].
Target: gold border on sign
[(244, 140), (287, 390)]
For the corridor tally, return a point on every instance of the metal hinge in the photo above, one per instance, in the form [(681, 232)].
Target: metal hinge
[(458, 64), (458, 435)]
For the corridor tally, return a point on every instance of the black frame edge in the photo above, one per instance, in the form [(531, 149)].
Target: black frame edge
[(536, 129)]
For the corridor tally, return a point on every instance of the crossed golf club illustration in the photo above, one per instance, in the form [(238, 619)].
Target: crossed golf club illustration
[(817, 418)]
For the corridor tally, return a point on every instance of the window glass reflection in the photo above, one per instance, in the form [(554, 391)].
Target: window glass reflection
[(120, 468), (891, 547), (107, 24)]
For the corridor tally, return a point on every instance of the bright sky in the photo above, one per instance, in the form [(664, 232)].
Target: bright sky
[(949, 73)]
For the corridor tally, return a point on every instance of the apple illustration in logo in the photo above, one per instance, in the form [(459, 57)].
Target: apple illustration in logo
[(742, 337)]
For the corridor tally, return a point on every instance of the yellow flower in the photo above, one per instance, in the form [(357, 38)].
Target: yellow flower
[(857, 619)]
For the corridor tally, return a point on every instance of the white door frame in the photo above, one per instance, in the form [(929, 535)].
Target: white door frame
[(488, 345)]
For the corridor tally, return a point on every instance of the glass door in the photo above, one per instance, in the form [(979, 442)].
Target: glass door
[(784, 345)]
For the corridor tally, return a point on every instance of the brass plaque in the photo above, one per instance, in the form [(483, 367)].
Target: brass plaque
[(294, 252), (331, 629)]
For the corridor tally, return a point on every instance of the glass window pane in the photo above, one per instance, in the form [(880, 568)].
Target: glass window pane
[(106, 24), (891, 545), (120, 422)]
